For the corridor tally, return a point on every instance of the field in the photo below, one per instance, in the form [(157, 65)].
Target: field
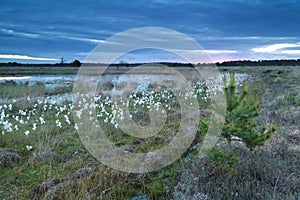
[(42, 156)]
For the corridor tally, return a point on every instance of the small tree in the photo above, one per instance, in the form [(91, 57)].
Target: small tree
[(242, 116), (76, 63)]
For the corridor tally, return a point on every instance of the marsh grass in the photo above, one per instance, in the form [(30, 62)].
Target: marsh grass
[(64, 155), (14, 90), (11, 89), (270, 172), (21, 179)]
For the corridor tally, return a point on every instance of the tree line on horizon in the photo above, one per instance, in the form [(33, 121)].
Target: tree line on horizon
[(238, 63), (242, 63)]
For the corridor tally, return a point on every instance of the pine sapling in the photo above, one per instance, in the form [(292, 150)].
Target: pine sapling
[(242, 117)]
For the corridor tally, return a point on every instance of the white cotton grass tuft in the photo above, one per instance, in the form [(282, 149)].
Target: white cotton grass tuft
[(29, 147), (27, 133)]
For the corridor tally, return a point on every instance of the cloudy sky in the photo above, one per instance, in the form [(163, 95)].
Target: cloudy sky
[(46, 30)]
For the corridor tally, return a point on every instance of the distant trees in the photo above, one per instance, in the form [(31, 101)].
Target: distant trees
[(239, 63), (242, 63), (76, 63), (62, 60), (123, 63)]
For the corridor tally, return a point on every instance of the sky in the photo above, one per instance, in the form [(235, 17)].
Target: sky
[(44, 31)]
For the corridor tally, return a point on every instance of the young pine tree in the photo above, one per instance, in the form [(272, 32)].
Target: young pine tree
[(241, 117)]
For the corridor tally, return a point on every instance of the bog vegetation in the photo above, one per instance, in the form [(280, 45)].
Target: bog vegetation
[(41, 155)]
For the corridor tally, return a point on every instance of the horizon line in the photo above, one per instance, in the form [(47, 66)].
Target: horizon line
[(151, 62)]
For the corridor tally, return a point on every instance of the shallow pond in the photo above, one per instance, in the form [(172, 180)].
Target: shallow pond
[(50, 81), (108, 82)]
